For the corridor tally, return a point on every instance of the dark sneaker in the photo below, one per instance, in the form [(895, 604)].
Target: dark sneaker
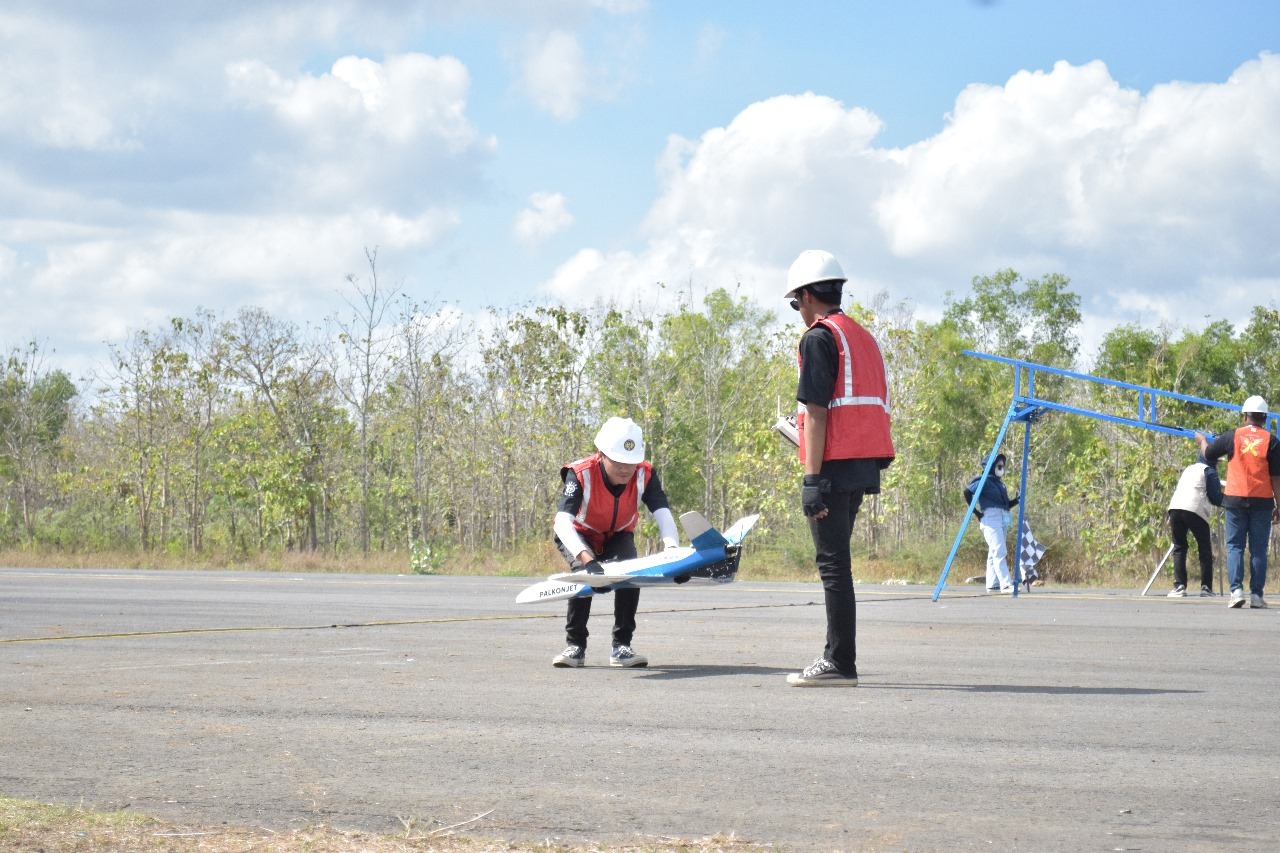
[(821, 673), (571, 656), (1179, 591), (624, 656), (1205, 592)]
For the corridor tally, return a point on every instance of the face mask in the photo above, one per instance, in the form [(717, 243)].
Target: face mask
[(999, 470)]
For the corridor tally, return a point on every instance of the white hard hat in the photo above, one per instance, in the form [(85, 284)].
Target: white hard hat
[(1254, 404), (621, 440), (813, 267)]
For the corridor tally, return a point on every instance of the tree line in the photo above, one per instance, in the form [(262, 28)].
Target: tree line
[(400, 426)]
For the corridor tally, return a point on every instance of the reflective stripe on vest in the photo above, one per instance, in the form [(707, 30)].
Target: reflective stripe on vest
[(857, 421), (1248, 474), (596, 520)]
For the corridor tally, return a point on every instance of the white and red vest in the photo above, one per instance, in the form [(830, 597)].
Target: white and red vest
[(601, 514), (858, 413), (1248, 474)]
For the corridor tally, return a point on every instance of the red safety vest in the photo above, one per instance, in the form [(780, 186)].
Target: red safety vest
[(1248, 475), (858, 413), (601, 514)]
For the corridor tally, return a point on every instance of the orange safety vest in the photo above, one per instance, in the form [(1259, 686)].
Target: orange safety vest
[(1248, 474), (601, 514), (858, 413)]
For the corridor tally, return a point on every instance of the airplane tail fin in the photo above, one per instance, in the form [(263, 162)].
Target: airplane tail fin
[(704, 537), (700, 532)]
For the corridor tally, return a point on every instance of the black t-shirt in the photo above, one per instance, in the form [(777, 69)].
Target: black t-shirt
[(818, 368), (1225, 445), (571, 495)]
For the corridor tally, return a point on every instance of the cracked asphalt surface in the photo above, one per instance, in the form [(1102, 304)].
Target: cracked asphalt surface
[(1064, 720)]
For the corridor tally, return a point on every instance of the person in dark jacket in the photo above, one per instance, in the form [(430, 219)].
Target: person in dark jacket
[(1198, 488), (994, 504)]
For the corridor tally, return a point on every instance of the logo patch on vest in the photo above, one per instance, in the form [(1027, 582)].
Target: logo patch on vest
[(570, 486)]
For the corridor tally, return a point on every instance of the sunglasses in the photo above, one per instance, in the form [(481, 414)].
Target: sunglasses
[(795, 305)]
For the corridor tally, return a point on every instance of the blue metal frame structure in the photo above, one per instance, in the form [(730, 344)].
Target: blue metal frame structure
[(1027, 407)]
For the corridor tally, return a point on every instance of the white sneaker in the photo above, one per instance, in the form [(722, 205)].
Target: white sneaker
[(624, 656), (1179, 591), (571, 656), (821, 673), (1257, 602), (1237, 598)]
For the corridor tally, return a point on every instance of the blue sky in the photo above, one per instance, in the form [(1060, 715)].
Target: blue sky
[(157, 157)]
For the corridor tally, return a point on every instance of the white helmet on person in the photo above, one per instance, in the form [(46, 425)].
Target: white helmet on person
[(621, 440), (1254, 405), (818, 270)]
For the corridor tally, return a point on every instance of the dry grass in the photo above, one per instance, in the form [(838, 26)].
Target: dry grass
[(1066, 565), (34, 826)]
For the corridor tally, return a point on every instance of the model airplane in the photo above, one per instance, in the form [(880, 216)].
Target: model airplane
[(711, 556)]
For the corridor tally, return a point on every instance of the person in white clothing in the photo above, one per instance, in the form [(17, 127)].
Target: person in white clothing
[(994, 503), (1198, 488)]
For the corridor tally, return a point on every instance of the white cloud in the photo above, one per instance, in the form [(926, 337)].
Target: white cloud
[(788, 173), (390, 131), (100, 288), (547, 214), (556, 74), (710, 40), (409, 98), (57, 91), (562, 73), (1173, 192)]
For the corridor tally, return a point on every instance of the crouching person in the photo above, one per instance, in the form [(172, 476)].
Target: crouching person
[(595, 521)]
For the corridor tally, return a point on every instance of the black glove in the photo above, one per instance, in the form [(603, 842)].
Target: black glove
[(682, 578), (594, 568), (811, 494)]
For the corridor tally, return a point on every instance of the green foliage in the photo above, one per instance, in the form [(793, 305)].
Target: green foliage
[(426, 559), (249, 435)]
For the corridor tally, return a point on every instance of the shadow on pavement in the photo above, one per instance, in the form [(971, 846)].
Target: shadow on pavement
[(690, 671), (1032, 688)]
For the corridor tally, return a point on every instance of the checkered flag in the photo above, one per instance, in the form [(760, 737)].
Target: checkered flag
[(1029, 553)]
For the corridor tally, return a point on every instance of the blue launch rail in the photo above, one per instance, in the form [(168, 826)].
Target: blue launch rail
[(1027, 407)]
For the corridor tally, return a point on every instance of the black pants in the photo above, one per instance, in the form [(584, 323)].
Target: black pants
[(619, 546), (1180, 521), (831, 537)]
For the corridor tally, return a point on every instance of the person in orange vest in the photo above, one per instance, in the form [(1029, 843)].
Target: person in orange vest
[(596, 519), (1249, 496), (843, 423)]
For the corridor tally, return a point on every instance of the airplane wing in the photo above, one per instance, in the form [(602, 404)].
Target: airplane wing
[(590, 581), (552, 590), (712, 557)]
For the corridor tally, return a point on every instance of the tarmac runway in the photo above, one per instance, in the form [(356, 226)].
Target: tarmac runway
[(1062, 720)]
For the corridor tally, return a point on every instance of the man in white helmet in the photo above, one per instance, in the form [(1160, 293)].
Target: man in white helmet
[(596, 520), (1249, 496), (843, 422)]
